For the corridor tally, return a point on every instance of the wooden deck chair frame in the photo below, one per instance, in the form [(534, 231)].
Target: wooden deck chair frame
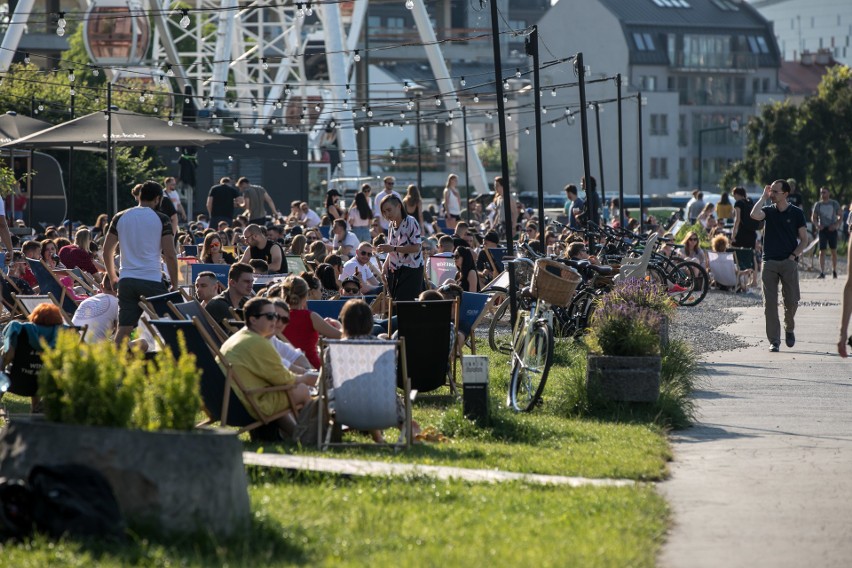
[(219, 332), (487, 309), (13, 308), (45, 298), (232, 381), (149, 308), (63, 293), (325, 423)]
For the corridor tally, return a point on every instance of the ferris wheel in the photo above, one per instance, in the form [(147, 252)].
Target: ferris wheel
[(273, 65)]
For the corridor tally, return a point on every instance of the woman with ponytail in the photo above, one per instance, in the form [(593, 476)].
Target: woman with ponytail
[(305, 326)]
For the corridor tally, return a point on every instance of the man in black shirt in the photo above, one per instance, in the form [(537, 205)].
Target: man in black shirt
[(221, 201), (239, 290), (785, 238)]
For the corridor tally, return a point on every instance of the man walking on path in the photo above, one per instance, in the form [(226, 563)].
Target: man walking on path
[(784, 239), (826, 216)]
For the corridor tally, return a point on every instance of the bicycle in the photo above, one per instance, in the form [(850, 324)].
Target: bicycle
[(532, 339)]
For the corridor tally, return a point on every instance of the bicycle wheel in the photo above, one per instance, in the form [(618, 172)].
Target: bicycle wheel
[(694, 279), (656, 275), (530, 368), (499, 329)]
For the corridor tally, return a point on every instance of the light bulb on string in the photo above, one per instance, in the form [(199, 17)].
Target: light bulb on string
[(184, 19), (236, 124), (284, 164), (527, 131), (169, 71), (463, 82), (345, 104), (405, 87), (230, 158), (348, 89), (264, 63), (437, 101), (300, 12), (402, 115), (544, 110), (509, 117), (295, 151), (361, 129), (317, 108), (553, 124), (27, 58), (287, 89), (71, 77), (61, 21), (370, 112), (309, 11), (409, 4), (73, 91), (357, 56), (171, 121), (475, 98), (518, 72), (248, 146), (41, 107), (505, 99), (506, 84), (95, 71)]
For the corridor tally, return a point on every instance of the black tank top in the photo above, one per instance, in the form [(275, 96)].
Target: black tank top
[(265, 254)]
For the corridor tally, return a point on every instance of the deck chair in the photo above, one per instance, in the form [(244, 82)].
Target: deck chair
[(636, 267), (295, 264), (27, 303), (220, 270), (48, 283), (441, 267), (84, 280), (723, 269), (327, 308), (190, 250), (474, 306), (422, 325), (193, 309), (220, 402), (358, 387), (158, 306)]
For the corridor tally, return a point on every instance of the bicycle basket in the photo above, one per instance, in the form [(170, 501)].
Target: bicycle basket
[(554, 282)]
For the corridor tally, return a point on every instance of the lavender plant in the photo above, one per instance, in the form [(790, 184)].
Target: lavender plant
[(625, 329)]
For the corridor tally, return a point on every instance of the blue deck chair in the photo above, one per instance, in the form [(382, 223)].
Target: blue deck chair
[(473, 308), (497, 255), (327, 308), (190, 250), (159, 304), (48, 284), (325, 231), (220, 270)]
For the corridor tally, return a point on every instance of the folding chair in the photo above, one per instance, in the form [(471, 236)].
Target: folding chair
[(84, 279), (48, 283), (27, 303), (422, 325), (723, 269), (327, 308), (295, 264), (636, 267), (358, 385), (472, 310), (190, 250), (220, 270), (158, 306), (193, 309), (441, 267), (220, 400)]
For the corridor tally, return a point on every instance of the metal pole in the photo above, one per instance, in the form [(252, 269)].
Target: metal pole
[(114, 205), (700, 158), (532, 50), (466, 184), (419, 158), (620, 156), (31, 189), (367, 90), (504, 156), (584, 133), (600, 154), (641, 168), (71, 169)]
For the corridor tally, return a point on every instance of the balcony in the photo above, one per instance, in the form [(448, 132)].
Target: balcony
[(740, 62)]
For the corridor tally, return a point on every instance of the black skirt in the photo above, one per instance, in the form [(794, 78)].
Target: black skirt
[(405, 283)]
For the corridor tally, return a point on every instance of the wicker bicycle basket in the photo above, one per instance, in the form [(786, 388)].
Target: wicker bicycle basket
[(555, 289)]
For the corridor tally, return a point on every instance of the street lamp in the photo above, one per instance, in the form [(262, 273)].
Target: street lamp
[(733, 126)]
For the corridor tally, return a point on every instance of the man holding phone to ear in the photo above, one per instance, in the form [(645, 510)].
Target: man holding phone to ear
[(784, 239)]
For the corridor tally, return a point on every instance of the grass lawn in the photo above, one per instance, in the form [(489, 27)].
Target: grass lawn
[(316, 520)]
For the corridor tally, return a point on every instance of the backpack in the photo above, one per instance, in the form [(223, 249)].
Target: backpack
[(307, 428), (57, 500)]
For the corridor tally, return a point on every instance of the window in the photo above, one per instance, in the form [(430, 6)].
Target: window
[(659, 124), (649, 42), (396, 22), (761, 43), (374, 22), (643, 41), (640, 43), (648, 82), (655, 168), (664, 167)]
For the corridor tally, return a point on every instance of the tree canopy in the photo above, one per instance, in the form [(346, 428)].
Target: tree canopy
[(810, 142)]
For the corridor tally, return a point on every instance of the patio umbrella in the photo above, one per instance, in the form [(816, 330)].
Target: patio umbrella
[(14, 126), (125, 128), (128, 129)]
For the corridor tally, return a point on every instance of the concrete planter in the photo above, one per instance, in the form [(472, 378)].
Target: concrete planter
[(624, 379), (171, 481)]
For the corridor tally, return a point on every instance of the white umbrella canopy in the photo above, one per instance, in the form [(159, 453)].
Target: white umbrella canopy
[(127, 129)]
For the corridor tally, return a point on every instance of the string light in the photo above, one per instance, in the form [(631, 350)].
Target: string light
[(169, 71), (475, 98), (27, 58), (264, 63), (184, 20), (553, 93), (71, 76), (309, 11), (518, 72), (357, 56), (409, 4), (462, 82)]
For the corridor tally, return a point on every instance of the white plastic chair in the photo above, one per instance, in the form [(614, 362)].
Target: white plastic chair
[(636, 267)]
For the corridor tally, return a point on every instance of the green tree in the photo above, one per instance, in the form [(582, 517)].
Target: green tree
[(47, 96), (810, 142), (489, 154)]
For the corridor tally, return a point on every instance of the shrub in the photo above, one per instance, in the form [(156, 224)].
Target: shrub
[(102, 384), (645, 295), (623, 329)]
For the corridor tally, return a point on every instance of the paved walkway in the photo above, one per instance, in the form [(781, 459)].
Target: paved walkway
[(765, 479), (376, 468)]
